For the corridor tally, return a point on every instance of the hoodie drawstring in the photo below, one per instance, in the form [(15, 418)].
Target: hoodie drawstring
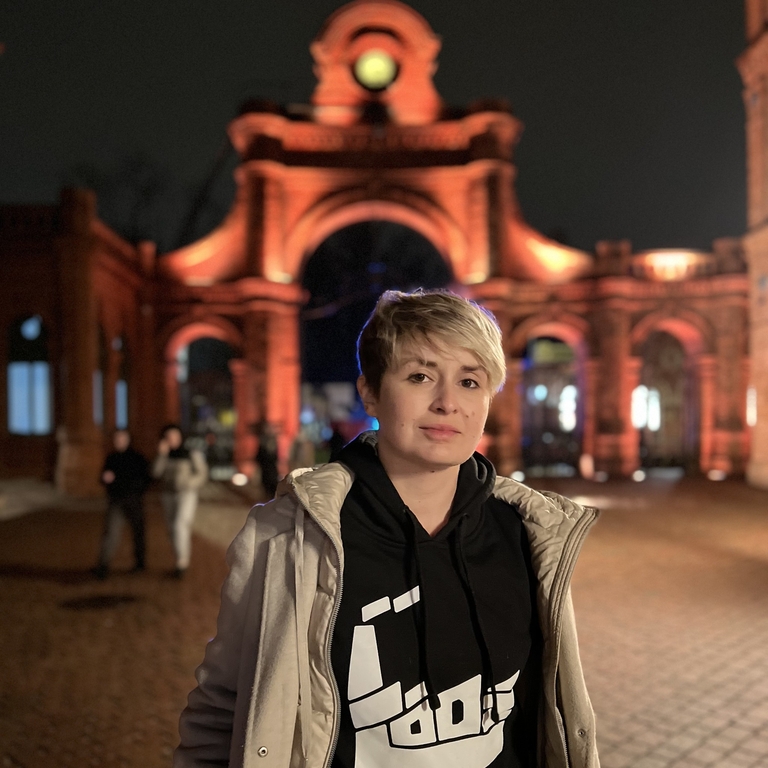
[(302, 646), (432, 696), (486, 678)]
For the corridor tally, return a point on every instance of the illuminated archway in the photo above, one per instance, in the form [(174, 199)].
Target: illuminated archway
[(344, 277), (552, 351), (399, 206), (177, 341), (672, 405)]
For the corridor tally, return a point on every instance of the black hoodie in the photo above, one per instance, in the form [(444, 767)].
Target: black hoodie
[(436, 647)]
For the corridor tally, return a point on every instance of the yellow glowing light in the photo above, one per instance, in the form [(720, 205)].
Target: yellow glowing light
[(668, 266), (375, 69), (554, 257), (671, 265)]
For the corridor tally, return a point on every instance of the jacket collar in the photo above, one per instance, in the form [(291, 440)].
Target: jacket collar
[(547, 517)]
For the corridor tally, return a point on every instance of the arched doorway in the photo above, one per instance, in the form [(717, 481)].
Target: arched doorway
[(552, 408), (665, 405), (344, 277), (206, 408)]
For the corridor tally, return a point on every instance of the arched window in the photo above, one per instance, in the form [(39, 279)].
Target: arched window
[(29, 378), (98, 381), (121, 385)]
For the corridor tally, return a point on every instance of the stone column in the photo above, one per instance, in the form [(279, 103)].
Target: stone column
[(705, 365), (146, 411), (588, 393), (271, 350), (244, 401), (111, 375), (616, 450), (172, 400), (80, 450), (729, 428), (633, 367), (283, 381), (504, 430)]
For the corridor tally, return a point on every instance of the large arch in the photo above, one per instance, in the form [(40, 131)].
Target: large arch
[(692, 330), (353, 207), (696, 336), (570, 329), (180, 333), (506, 422)]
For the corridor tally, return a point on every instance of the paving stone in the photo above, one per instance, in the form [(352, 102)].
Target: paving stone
[(669, 593), (672, 614)]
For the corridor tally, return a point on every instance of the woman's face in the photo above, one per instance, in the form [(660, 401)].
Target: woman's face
[(431, 408)]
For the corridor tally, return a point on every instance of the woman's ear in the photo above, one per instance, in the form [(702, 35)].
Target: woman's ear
[(366, 395)]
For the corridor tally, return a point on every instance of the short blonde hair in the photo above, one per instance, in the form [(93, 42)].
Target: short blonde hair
[(432, 316)]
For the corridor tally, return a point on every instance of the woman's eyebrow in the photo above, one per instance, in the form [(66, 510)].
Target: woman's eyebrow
[(419, 361)]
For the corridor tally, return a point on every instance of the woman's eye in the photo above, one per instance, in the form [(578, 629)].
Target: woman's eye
[(469, 384), (418, 377)]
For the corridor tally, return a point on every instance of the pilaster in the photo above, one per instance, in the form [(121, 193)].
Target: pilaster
[(80, 450)]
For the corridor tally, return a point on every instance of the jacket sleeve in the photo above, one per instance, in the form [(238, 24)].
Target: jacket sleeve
[(578, 715), (159, 465), (199, 473), (206, 724)]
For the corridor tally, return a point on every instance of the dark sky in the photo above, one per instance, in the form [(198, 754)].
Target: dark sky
[(633, 112)]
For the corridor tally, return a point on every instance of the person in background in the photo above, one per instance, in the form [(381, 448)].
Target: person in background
[(336, 442), (302, 452), (182, 473), (125, 475), (403, 605), (266, 458)]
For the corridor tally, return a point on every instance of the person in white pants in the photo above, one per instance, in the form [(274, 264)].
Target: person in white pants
[(181, 473)]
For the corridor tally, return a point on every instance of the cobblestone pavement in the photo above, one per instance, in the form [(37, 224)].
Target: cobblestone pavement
[(670, 594)]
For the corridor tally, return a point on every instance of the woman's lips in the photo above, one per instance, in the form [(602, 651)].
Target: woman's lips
[(439, 432)]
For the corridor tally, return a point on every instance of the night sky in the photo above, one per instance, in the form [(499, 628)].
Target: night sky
[(632, 109)]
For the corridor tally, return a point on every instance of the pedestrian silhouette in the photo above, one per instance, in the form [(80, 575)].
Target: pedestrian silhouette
[(125, 475), (266, 458), (182, 472)]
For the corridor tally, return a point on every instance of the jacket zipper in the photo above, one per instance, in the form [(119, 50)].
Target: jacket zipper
[(331, 627), (335, 686), (568, 559)]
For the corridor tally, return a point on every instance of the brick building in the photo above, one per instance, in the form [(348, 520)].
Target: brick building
[(627, 359), (753, 66)]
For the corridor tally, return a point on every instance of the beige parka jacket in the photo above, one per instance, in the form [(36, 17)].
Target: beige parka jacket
[(266, 695)]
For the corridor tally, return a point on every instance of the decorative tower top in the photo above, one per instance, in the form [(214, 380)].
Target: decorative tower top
[(374, 59)]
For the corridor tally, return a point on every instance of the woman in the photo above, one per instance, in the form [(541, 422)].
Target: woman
[(402, 606), (182, 472)]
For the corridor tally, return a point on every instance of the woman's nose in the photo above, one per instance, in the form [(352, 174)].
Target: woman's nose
[(445, 401)]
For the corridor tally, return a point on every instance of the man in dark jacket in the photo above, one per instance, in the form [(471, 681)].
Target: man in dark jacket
[(126, 476)]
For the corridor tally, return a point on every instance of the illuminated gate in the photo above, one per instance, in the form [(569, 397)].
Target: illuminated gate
[(378, 145), (551, 404)]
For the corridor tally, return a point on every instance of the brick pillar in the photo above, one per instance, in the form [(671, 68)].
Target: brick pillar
[(616, 448), (729, 441), (80, 449), (271, 350), (633, 367), (145, 409), (283, 381), (706, 374), (111, 375), (171, 382), (244, 401), (588, 395), (505, 427)]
